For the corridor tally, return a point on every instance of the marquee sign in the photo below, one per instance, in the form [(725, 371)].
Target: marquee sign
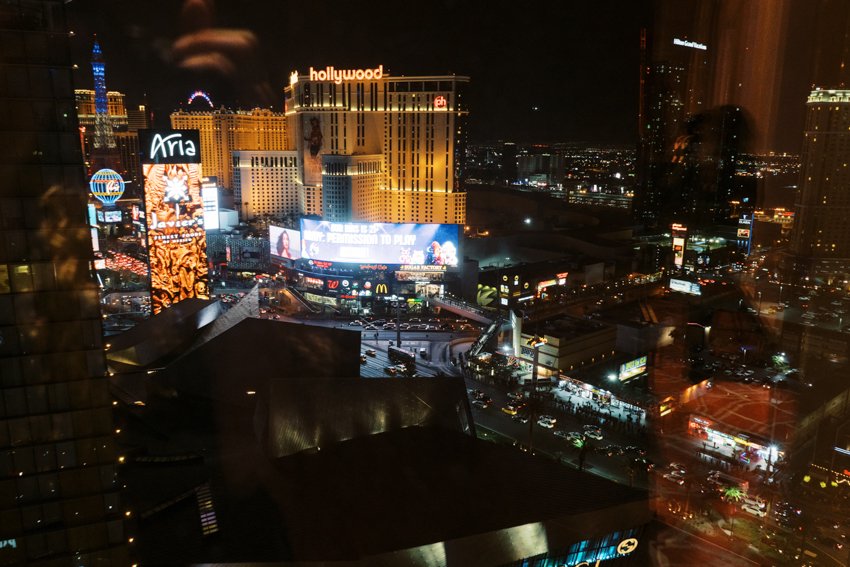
[(170, 146), (340, 75)]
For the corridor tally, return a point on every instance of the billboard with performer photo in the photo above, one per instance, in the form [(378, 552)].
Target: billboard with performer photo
[(285, 243), (384, 243)]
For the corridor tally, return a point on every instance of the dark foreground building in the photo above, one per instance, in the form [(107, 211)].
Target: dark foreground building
[(59, 500)]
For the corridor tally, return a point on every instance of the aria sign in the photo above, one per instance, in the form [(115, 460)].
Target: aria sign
[(170, 146), (340, 75)]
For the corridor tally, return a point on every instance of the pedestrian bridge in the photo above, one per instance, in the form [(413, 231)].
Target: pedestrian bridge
[(464, 309)]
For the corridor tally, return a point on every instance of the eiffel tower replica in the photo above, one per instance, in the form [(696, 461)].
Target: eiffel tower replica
[(105, 153)]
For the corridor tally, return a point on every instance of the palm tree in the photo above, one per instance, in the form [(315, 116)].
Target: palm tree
[(731, 493)]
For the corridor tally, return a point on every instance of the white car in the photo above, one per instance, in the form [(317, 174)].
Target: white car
[(677, 467), (545, 423), (549, 418), (675, 477), (754, 510), (593, 432)]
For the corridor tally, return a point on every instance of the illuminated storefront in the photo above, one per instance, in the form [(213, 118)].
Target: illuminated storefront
[(743, 448)]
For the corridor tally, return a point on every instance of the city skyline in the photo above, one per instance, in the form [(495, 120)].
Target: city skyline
[(458, 283), (582, 61)]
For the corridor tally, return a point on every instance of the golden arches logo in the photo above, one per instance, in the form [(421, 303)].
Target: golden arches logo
[(381, 288)]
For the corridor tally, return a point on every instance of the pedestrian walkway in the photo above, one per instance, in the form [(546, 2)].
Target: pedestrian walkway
[(605, 411)]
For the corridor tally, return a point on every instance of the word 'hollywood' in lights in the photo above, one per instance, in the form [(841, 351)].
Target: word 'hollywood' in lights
[(200, 94), (340, 75), (107, 186)]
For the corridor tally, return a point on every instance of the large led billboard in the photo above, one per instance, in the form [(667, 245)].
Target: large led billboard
[(684, 286), (632, 368), (285, 243), (406, 244), (175, 214)]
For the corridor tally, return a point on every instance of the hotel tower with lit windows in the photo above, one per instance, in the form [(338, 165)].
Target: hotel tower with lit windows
[(820, 241), (380, 148)]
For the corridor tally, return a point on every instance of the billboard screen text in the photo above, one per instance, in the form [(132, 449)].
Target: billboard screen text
[(408, 244)]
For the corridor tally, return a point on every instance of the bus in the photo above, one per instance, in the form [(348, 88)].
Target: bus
[(400, 356)]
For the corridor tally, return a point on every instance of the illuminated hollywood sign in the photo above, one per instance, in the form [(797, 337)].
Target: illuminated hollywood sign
[(688, 43), (340, 75)]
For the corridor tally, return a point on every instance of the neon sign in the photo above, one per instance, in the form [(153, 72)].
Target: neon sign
[(170, 146), (440, 102), (200, 94), (338, 76), (688, 43), (293, 77), (107, 186)]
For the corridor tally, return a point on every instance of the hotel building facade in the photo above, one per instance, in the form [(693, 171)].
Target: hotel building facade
[(225, 131), (266, 183), (378, 147), (820, 239)]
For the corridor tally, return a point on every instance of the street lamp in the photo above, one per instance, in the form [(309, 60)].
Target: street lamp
[(759, 303), (535, 342)]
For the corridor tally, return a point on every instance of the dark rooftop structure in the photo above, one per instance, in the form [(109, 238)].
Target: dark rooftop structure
[(565, 328), (258, 446)]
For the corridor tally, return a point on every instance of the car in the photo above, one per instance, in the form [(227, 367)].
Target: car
[(575, 437), (520, 417), (677, 467), (549, 418), (675, 477), (391, 370), (481, 404), (754, 510), (613, 450), (370, 352), (362, 359), (355, 323), (546, 423), (561, 434), (476, 394), (635, 450), (510, 410), (515, 396), (593, 432)]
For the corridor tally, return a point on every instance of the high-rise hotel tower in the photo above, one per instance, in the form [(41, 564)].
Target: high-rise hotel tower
[(820, 241), (380, 147), (59, 501)]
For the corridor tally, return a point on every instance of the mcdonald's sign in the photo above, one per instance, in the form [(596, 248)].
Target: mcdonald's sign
[(381, 288)]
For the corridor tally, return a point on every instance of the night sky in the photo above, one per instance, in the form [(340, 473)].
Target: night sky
[(576, 62), (547, 71)]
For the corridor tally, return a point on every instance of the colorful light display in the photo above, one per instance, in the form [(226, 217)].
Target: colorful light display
[(107, 186), (177, 241)]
